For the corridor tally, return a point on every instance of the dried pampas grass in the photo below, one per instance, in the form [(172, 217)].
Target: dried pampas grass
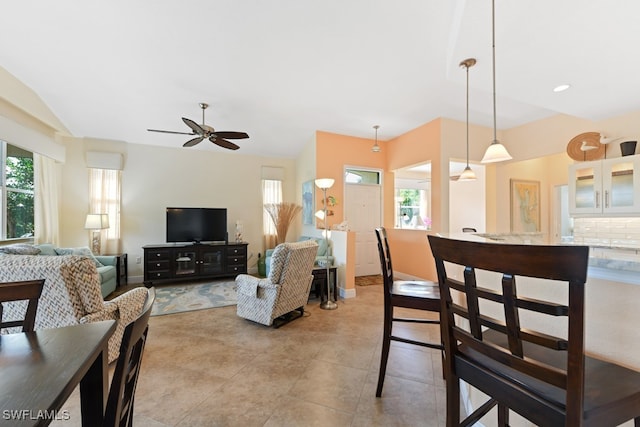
[(282, 214)]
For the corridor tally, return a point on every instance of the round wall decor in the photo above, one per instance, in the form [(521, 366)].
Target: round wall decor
[(586, 146)]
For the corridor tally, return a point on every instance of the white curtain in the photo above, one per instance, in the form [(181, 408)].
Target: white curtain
[(105, 197), (47, 190), (271, 193)]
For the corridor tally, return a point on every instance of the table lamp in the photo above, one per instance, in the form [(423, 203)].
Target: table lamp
[(95, 223)]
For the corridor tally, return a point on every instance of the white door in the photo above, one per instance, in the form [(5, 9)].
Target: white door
[(363, 213)]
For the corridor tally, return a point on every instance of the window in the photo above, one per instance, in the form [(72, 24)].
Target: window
[(358, 176), (271, 193), (104, 197), (413, 197), (17, 192)]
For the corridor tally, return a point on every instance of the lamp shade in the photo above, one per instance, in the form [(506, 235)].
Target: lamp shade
[(467, 175), (96, 221), (496, 152), (324, 183)]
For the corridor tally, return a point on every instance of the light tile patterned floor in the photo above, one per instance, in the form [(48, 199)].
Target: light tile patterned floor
[(211, 368)]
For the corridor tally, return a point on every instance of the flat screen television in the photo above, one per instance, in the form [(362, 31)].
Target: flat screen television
[(196, 225)]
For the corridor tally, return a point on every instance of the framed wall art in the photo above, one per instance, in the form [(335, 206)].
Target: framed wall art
[(525, 206), (307, 202)]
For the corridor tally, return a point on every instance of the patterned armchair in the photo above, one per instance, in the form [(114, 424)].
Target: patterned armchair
[(285, 291), (71, 294)]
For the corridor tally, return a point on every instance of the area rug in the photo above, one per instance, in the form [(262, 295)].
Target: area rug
[(369, 280), (191, 297)]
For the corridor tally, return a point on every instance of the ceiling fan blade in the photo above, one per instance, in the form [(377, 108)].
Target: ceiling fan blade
[(223, 143), (193, 141), (170, 131), (232, 135), (193, 125)]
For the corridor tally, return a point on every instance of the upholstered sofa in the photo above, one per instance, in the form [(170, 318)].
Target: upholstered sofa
[(284, 291), (323, 254), (106, 265), (71, 293)]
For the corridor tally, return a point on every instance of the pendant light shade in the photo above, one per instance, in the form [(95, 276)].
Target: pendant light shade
[(376, 147), (467, 174), (496, 151)]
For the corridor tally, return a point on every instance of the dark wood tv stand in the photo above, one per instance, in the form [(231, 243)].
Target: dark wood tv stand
[(187, 261)]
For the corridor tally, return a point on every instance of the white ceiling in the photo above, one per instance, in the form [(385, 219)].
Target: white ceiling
[(282, 69)]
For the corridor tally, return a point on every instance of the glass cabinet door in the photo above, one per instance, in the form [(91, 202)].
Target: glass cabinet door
[(211, 261), (585, 188), (621, 176), (185, 262)]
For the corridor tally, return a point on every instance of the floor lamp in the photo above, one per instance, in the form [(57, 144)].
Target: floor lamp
[(95, 223), (324, 184)]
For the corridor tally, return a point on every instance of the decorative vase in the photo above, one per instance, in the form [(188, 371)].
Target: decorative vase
[(628, 148), (262, 266)]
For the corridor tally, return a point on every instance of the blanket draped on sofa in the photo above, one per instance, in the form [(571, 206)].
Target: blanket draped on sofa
[(71, 294)]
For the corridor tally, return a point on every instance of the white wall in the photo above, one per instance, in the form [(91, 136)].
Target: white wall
[(467, 202), (155, 178)]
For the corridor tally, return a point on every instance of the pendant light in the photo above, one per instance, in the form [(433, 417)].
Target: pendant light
[(496, 152), (376, 147), (467, 174)]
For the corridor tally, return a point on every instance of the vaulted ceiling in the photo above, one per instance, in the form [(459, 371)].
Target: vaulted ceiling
[(281, 69)]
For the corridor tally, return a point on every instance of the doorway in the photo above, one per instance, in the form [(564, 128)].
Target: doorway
[(363, 212)]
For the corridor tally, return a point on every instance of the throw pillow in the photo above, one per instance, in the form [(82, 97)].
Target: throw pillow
[(83, 251), (47, 249), (20, 249)]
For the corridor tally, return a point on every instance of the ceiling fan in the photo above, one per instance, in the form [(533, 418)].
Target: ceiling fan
[(204, 131)]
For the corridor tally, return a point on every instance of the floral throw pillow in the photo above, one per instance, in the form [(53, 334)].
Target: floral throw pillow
[(83, 251)]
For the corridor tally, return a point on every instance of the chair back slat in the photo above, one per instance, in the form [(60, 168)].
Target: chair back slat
[(120, 402), (475, 337), (385, 258), (29, 292)]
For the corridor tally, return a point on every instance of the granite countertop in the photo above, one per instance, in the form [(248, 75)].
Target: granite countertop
[(619, 264)]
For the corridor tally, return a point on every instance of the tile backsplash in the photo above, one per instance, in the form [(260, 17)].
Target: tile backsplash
[(607, 232)]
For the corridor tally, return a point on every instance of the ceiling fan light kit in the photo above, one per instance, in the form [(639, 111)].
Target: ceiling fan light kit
[(496, 151), (204, 131)]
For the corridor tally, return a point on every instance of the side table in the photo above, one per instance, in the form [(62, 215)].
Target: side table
[(122, 274), (319, 283)]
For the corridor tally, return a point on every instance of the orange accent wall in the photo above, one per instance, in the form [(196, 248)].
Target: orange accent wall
[(411, 253), (333, 153), (410, 248)]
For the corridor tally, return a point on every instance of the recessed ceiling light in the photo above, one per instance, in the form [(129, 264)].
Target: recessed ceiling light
[(561, 88)]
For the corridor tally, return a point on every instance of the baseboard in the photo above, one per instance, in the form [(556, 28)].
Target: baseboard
[(347, 293)]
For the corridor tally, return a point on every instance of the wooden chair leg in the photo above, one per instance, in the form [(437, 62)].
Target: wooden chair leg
[(453, 400), (503, 415), (386, 344)]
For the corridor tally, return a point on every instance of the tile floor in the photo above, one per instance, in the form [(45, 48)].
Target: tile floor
[(212, 368)]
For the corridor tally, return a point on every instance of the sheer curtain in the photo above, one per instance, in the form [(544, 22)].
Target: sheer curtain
[(104, 197), (46, 193), (271, 193)]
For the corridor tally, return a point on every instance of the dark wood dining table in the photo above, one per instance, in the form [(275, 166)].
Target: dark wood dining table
[(39, 371)]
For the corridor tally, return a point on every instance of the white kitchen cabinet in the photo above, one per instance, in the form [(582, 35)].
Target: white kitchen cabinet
[(605, 187)]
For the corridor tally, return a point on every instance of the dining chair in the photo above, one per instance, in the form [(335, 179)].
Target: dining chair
[(413, 294), (527, 354), (28, 291), (119, 411)]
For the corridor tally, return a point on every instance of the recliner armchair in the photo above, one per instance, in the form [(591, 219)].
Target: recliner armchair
[(280, 297)]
